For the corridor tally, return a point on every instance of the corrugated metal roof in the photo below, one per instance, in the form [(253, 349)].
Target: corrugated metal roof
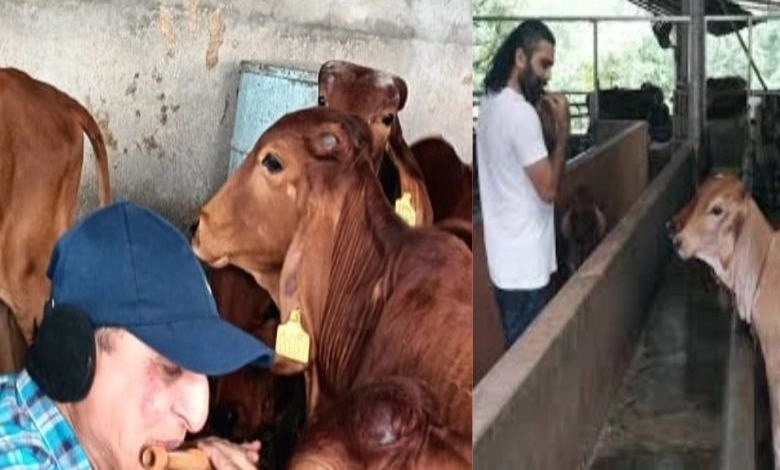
[(715, 7)]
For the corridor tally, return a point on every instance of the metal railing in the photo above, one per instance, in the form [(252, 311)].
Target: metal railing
[(595, 20)]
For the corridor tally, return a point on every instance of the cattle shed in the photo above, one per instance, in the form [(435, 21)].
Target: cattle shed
[(162, 77), (638, 360)]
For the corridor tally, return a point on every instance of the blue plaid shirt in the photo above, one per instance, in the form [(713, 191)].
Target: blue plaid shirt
[(33, 432)]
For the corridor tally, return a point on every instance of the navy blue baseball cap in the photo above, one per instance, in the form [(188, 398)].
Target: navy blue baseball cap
[(127, 267)]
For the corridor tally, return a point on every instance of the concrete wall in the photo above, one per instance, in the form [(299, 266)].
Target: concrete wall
[(542, 405), (161, 77), (621, 159)]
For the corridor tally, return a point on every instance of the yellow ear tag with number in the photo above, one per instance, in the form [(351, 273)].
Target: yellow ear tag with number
[(291, 341), (405, 209)]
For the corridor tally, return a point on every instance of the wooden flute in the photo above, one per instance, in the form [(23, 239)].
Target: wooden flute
[(158, 458)]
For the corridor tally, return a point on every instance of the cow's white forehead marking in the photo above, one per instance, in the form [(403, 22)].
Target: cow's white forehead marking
[(383, 80)]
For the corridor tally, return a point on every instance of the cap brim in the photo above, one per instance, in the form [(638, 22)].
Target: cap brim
[(209, 346)]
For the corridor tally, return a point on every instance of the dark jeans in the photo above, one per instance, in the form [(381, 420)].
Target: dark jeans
[(518, 309)]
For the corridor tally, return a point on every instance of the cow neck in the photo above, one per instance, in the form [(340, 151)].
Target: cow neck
[(365, 234), (751, 250)]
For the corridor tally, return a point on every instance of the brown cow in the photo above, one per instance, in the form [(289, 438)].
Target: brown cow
[(242, 401), (250, 401), (724, 227), (13, 348), (306, 217), (583, 226), (377, 97), (448, 180), (41, 154), (387, 425)]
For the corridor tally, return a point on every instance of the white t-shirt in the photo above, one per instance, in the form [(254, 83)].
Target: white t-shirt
[(519, 226)]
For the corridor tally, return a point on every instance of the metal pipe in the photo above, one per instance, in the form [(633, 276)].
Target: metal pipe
[(696, 99), (595, 116), (724, 18), (745, 48), (502, 18), (652, 19), (750, 55)]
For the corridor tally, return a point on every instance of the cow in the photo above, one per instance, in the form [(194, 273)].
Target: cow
[(387, 425), (306, 217), (377, 97), (41, 155), (242, 401), (252, 403), (13, 348), (723, 226), (448, 180), (583, 226)]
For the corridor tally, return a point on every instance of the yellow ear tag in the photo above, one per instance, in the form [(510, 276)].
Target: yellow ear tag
[(291, 341), (405, 210)]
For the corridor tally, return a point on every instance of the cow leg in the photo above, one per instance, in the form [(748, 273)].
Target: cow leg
[(12, 345)]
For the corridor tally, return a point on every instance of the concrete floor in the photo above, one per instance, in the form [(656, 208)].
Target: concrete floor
[(667, 413)]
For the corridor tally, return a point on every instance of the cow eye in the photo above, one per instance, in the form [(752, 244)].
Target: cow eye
[(271, 162), (321, 100), (387, 119), (716, 211)]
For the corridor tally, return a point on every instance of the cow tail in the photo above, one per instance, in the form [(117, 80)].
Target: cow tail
[(99, 148)]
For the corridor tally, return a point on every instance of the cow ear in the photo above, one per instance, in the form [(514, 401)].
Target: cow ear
[(727, 242), (742, 194), (326, 73), (402, 91)]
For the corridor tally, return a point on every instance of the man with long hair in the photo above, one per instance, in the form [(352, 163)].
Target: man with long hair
[(518, 180)]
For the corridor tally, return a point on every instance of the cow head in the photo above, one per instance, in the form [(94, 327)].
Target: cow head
[(374, 95), (583, 226), (251, 220), (710, 224)]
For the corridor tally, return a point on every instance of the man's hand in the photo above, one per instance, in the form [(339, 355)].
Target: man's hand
[(225, 455), (560, 109)]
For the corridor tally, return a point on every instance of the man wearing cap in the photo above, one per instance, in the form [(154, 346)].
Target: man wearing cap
[(121, 357)]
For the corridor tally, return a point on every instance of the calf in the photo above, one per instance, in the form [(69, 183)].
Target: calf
[(724, 227), (306, 217), (12, 345), (377, 97), (447, 179), (583, 226), (252, 403), (41, 154)]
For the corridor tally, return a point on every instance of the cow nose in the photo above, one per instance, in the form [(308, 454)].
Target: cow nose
[(223, 419), (677, 243)]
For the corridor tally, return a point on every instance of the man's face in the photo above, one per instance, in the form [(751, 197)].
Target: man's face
[(537, 71), (138, 398)]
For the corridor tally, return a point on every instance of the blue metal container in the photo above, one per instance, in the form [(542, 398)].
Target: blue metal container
[(267, 92)]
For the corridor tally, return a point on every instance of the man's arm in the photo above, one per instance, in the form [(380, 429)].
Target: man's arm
[(546, 174)]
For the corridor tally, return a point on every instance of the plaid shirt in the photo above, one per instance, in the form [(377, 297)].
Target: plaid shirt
[(33, 432)]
